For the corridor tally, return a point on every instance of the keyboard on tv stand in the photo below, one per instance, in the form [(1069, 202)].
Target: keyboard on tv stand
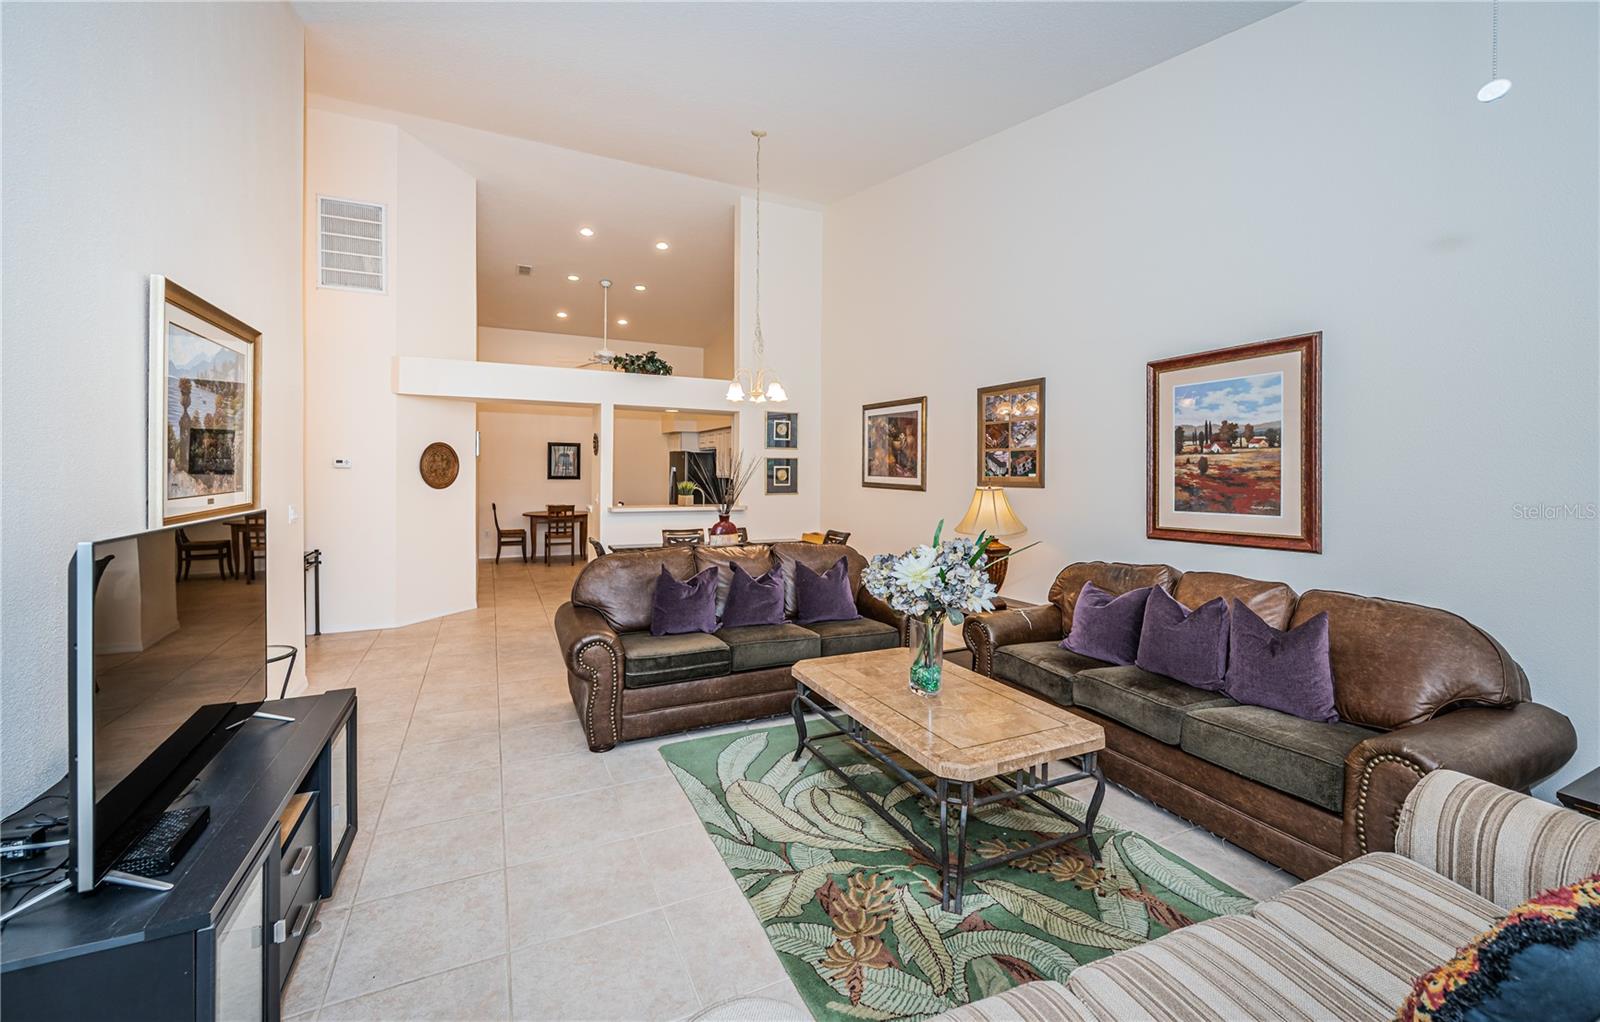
[(164, 844)]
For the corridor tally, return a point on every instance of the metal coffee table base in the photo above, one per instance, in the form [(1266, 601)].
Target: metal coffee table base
[(953, 798)]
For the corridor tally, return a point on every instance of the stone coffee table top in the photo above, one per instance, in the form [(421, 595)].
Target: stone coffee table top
[(975, 728)]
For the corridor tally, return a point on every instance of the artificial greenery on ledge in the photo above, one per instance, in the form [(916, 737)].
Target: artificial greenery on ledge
[(650, 364)]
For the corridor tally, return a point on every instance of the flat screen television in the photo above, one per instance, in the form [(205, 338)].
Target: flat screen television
[(167, 648)]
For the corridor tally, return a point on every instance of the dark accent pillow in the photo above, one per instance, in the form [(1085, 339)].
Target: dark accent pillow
[(1106, 627), (679, 608), (1542, 961), (754, 601), (1285, 671), (825, 597), (1186, 645)]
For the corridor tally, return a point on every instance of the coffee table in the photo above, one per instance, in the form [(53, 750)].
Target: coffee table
[(976, 729)]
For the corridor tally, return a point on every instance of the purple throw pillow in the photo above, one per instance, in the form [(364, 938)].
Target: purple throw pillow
[(1186, 645), (1285, 671), (1106, 627), (679, 608), (825, 597), (754, 601)]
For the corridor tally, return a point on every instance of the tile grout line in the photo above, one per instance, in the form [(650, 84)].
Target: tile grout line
[(338, 948)]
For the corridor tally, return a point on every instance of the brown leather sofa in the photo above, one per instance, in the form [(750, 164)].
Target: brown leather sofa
[(1416, 690), (629, 684)]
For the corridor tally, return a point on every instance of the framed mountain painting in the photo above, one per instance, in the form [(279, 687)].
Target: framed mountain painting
[(1235, 446), (204, 399)]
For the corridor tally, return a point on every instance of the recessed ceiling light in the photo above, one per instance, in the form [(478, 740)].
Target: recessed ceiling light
[(622, 322), (561, 315), (671, 410), (663, 246), (639, 287), (572, 277), (587, 232)]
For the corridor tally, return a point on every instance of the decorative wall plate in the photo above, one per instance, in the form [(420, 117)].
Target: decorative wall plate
[(439, 465)]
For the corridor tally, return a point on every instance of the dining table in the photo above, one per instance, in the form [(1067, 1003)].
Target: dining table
[(580, 517)]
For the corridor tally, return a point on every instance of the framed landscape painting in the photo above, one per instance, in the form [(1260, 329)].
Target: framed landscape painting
[(894, 444), (564, 461), (1235, 446), (204, 409), (1011, 434)]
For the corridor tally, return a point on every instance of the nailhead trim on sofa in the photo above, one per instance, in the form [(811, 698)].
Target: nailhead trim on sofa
[(1366, 784)]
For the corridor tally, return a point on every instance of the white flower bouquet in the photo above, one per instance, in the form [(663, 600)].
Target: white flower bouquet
[(931, 584)]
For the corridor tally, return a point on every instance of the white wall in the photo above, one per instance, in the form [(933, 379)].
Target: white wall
[(512, 468), (639, 462), (535, 347), (1325, 169), (117, 166), (394, 549)]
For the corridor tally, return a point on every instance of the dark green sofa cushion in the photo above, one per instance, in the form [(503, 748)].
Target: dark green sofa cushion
[(856, 636), (1148, 703), (757, 646), (1298, 757), (1043, 667), (659, 659)]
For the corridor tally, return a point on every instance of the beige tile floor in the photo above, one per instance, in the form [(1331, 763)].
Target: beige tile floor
[(502, 870)]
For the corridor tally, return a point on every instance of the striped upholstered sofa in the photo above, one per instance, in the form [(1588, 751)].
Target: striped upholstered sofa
[(1345, 945)]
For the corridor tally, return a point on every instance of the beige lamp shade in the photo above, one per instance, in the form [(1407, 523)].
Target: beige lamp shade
[(990, 512)]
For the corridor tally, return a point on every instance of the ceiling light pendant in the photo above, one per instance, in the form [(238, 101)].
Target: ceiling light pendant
[(760, 384), (1496, 86)]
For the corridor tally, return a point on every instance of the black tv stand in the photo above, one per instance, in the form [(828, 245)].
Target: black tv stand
[(224, 927)]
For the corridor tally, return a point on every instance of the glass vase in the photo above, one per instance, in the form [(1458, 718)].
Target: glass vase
[(927, 654)]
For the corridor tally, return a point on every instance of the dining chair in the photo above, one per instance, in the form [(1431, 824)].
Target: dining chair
[(682, 537), (189, 551), (835, 536), (508, 537), (599, 547), (561, 529), (255, 548), (743, 534)]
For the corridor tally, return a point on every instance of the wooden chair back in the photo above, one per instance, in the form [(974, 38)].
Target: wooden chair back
[(560, 520), (682, 537), (835, 536)]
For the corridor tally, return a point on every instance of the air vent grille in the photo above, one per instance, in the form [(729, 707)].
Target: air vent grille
[(350, 244)]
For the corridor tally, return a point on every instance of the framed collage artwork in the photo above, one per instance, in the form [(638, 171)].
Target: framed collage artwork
[(1011, 434)]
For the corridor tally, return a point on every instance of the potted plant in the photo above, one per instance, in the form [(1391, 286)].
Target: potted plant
[(648, 364), (722, 488), (931, 584), (686, 493)]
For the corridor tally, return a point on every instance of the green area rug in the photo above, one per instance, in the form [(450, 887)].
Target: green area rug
[(854, 913)]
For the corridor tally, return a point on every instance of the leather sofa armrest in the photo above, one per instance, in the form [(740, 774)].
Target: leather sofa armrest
[(987, 632), (593, 653), (1514, 746), (878, 610)]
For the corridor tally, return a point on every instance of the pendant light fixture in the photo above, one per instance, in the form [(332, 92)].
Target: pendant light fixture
[(758, 385), (1496, 86)]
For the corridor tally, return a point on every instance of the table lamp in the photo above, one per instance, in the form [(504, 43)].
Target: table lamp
[(991, 512)]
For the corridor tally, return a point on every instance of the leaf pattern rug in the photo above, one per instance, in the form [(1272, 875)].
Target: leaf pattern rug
[(854, 913)]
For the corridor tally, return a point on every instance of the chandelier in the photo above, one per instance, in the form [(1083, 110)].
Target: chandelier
[(757, 385)]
